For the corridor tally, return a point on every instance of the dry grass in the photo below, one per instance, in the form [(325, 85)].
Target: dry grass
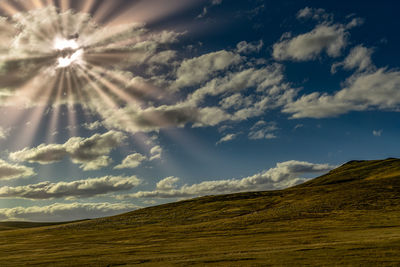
[(350, 216)]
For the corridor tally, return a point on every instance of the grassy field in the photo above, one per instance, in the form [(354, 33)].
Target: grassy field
[(350, 216)]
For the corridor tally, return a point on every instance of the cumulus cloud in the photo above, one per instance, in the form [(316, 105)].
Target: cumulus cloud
[(363, 91), (327, 36), (156, 153), (65, 211), (227, 138), (91, 153), (285, 174), (263, 130), (247, 48), (308, 46), (359, 58), (131, 161), (13, 171), (81, 188), (93, 125), (135, 120), (239, 90), (236, 101), (199, 69), (314, 13)]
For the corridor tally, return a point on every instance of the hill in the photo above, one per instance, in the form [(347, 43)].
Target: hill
[(349, 216)]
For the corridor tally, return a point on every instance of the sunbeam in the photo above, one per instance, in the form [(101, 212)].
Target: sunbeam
[(81, 60)]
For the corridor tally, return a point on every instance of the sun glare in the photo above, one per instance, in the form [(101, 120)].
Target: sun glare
[(63, 44), (69, 52), (74, 58)]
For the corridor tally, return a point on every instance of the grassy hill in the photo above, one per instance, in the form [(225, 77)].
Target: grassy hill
[(9, 225), (350, 216)]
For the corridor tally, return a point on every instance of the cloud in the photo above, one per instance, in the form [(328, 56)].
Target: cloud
[(156, 153), (81, 188), (265, 79), (236, 101), (327, 36), (3, 133), (308, 46), (248, 48), (205, 9), (131, 161), (227, 138), (100, 53), (167, 183), (377, 132), (285, 174), (238, 91), (132, 119), (359, 58), (12, 171), (216, 2), (314, 13), (197, 70), (93, 126), (362, 91), (65, 211), (263, 130), (91, 153)]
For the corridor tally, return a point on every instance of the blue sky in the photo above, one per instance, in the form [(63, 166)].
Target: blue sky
[(107, 107)]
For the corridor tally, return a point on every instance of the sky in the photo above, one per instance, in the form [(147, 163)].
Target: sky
[(111, 106)]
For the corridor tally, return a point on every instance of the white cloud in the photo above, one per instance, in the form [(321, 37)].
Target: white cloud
[(167, 183), (236, 101), (216, 2), (65, 211), (4, 133), (131, 161), (263, 130), (82, 188), (377, 132), (248, 48), (227, 138), (156, 153), (13, 171), (91, 153), (363, 91), (197, 70), (262, 79), (285, 174), (308, 46), (93, 126), (314, 13), (135, 120), (359, 58)]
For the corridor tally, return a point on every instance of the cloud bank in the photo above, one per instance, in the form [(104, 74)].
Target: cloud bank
[(91, 153), (76, 189), (285, 174), (64, 211)]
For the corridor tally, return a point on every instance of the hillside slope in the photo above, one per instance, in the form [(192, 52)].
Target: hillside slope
[(349, 216)]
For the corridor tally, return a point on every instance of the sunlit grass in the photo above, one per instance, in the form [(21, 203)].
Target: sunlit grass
[(337, 219)]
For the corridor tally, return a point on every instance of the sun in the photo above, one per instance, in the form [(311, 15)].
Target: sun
[(69, 51)]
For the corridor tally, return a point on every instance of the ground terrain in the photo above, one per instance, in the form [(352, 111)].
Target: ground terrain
[(350, 216)]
